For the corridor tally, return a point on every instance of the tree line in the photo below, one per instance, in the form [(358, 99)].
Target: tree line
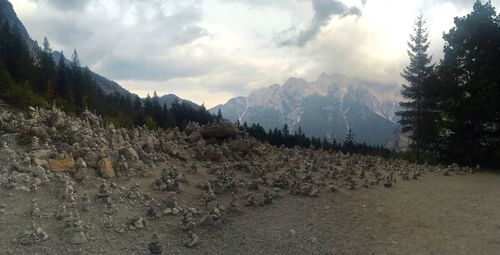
[(33, 78), (451, 109), (283, 137)]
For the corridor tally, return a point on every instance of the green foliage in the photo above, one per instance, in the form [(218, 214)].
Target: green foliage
[(18, 94), (419, 115), (471, 88), (150, 123), (453, 110)]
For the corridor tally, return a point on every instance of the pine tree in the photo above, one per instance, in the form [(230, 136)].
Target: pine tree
[(75, 61), (285, 130), (46, 45), (219, 115), (417, 107), (349, 141), (471, 87), (47, 69)]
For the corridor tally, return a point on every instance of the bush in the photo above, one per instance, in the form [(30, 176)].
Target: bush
[(16, 94)]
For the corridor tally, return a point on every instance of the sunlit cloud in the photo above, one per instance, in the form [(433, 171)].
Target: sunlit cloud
[(211, 50)]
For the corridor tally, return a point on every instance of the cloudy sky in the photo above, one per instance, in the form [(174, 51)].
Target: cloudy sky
[(209, 51)]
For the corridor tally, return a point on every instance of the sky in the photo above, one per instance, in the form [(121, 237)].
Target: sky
[(209, 51)]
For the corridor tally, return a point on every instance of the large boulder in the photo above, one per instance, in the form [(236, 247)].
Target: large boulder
[(66, 164), (220, 131), (105, 167)]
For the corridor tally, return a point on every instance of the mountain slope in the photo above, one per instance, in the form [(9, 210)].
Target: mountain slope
[(327, 107), (8, 15)]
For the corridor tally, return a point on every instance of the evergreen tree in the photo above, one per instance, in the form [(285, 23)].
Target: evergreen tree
[(349, 141), (63, 86), (75, 61), (219, 115), (418, 113), (47, 71), (76, 80), (46, 45), (471, 88), (285, 130)]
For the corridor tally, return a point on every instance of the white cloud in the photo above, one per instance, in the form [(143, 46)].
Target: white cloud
[(211, 50)]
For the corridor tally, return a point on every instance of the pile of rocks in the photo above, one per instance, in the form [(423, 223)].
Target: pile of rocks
[(88, 162)]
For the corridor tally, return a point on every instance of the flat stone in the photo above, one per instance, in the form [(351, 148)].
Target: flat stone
[(66, 164)]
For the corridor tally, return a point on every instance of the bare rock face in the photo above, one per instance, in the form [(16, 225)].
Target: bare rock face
[(105, 167), (67, 164)]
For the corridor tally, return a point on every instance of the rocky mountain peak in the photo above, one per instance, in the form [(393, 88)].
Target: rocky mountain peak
[(326, 107)]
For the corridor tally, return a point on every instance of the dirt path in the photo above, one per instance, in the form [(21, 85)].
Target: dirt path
[(437, 215), (434, 215)]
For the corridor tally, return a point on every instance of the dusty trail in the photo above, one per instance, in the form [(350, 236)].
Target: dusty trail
[(434, 215)]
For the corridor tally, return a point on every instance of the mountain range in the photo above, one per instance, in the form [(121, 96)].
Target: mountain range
[(327, 107)]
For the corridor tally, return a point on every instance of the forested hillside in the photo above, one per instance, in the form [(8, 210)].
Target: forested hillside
[(31, 77)]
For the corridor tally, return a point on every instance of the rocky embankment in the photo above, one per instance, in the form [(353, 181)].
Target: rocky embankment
[(77, 183)]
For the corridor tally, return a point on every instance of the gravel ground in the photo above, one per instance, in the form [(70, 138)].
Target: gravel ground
[(433, 215)]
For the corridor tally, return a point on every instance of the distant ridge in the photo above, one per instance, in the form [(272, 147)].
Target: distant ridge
[(327, 107)]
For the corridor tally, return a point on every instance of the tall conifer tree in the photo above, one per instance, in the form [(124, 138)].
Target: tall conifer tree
[(417, 106)]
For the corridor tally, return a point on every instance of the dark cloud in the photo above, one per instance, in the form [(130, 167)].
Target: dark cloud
[(137, 68), (324, 11), (146, 32), (69, 32)]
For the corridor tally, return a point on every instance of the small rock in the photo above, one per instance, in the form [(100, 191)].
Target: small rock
[(192, 240), (154, 246)]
